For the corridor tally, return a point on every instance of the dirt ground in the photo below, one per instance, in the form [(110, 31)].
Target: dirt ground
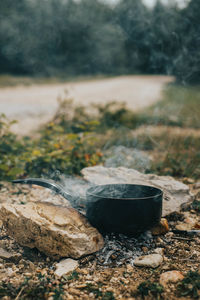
[(35, 104), (29, 274)]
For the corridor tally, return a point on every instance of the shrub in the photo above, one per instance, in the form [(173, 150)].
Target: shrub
[(55, 150), (190, 285), (148, 288)]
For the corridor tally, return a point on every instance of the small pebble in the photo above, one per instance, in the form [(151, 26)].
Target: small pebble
[(170, 276), (65, 266), (159, 251), (150, 261)]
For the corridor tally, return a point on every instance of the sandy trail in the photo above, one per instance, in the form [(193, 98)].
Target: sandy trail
[(35, 104)]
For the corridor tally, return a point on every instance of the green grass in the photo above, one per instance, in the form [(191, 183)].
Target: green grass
[(190, 285), (180, 157), (153, 290), (37, 288), (180, 106)]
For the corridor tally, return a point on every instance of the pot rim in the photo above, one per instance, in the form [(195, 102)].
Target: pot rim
[(160, 192)]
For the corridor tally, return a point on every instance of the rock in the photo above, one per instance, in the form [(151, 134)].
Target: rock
[(170, 276), (65, 266), (197, 185), (175, 193), (197, 226), (190, 219), (9, 256), (188, 223), (150, 261), (159, 251), (197, 196), (57, 231), (161, 228), (10, 272), (183, 226), (188, 180)]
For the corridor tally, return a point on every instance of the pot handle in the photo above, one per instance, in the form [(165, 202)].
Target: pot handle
[(57, 188)]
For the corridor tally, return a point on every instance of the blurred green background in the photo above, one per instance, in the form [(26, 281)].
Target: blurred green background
[(67, 38)]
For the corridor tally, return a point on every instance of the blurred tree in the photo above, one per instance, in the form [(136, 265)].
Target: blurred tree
[(187, 63), (68, 37), (134, 19), (9, 32), (164, 38)]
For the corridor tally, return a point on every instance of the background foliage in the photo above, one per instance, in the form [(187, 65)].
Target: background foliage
[(75, 138), (67, 38)]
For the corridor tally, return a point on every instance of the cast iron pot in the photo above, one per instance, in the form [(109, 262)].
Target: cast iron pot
[(119, 208)]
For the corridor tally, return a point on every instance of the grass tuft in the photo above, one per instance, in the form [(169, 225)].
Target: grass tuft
[(190, 285)]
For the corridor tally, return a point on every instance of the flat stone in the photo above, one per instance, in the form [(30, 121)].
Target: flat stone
[(150, 261), (183, 226), (175, 193), (65, 266), (188, 223), (197, 185), (55, 230), (8, 256), (170, 276)]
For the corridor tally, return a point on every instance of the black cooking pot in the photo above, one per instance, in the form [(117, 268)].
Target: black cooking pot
[(118, 208)]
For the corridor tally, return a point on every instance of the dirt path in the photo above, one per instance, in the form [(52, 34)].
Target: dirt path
[(35, 104)]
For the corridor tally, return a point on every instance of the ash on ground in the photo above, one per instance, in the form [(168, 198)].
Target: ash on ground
[(120, 249)]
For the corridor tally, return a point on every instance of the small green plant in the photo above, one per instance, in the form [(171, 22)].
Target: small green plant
[(190, 285), (73, 276), (115, 115), (180, 157), (108, 296), (180, 106), (10, 151), (148, 288), (98, 292), (38, 288), (55, 150), (95, 290), (196, 205)]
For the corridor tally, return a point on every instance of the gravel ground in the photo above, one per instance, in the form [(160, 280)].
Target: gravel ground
[(108, 274)]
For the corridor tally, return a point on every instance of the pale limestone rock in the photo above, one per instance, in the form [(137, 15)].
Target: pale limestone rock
[(170, 276), (197, 185), (159, 251), (189, 222), (150, 261), (175, 193), (55, 230), (4, 254), (65, 266), (183, 226)]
